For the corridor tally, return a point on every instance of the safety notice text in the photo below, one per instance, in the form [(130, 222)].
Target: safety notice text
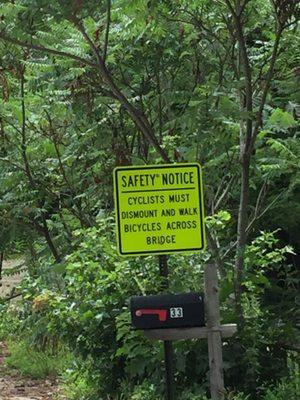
[(159, 209)]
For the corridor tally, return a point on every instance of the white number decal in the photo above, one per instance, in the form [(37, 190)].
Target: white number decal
[(176, 312)]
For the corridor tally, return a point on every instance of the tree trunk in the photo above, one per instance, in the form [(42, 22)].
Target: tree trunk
[(242, 229)]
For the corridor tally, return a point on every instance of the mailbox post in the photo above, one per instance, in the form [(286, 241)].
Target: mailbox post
[(214, 337), (213, 332)]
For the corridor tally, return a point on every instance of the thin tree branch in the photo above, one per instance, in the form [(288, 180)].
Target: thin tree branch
[(215, 250), (4, 159), (264, 211), (12, 297), (107, 29), (139, 119), (1, 265), (231, 8), (270, 74), (261, 193), (43, 49), (243, 6), (12, 125), (225, 192), (23, 131)]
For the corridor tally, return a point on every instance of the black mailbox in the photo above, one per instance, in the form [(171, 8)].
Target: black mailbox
[(167, 311)]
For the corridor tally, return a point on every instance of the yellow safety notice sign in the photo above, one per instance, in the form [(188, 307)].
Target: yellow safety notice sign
[(159, 209)]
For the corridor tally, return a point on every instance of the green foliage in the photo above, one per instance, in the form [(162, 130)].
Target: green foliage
[(63, 129), (262, 256), (281, 120), (287, 388), (269, 324), (79, 380), (9, 320), (283, 391), (145, 391)]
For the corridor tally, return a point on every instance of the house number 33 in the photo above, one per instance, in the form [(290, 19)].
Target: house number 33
[(176, 312)]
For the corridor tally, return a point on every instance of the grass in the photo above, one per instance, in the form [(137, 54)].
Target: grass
[(34, 363)]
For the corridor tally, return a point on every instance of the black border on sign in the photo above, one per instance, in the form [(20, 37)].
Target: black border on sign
[(201, 208)]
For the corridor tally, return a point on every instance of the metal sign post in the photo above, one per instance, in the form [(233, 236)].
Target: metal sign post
[(168, 346)]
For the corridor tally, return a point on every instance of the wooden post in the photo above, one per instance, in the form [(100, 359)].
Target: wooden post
[(226, 331), (214, 337)]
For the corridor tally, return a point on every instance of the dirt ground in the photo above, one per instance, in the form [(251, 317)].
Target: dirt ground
[(12, 385), (12, 274), (15, 387)]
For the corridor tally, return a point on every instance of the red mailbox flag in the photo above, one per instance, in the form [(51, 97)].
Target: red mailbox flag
[(162, 314)]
